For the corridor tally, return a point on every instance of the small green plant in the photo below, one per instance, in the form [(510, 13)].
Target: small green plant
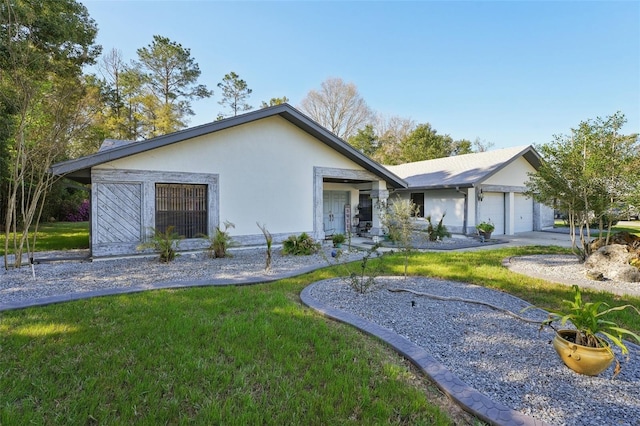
[(485, 227), (303, 245), (366, 278), (437, 232), (166, 243), (589, 319), (397, 217), (338, 239), (220, 241), (269, 240)]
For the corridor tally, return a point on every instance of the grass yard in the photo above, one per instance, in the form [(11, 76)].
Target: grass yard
[(57, 236), (234, 355), (632, 227)]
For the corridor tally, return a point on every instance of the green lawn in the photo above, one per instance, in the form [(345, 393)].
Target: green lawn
[(233, 355), (632, 227), (57, 236)]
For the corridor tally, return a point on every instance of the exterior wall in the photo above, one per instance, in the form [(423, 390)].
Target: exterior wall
[(123, 204), (268, 171), (514, 174), (440, 201)]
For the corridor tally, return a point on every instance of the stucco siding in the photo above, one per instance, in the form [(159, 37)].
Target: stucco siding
[(514, 174), (265, 169)]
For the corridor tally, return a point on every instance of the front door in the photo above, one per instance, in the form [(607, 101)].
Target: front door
[(333, 211)]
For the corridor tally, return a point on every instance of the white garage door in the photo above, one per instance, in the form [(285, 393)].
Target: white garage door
[(523, 213), (492, 210)]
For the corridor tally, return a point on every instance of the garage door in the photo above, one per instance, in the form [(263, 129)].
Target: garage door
[(523, 213), (492, 210)]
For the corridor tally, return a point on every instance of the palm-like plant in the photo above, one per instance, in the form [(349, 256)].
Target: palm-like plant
[(592, 328)]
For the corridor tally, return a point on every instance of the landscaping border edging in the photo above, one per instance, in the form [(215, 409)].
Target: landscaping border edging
[(467, 397)]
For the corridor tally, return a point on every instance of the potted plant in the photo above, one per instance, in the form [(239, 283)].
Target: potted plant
[(485, 229), (338, 239), (587, 349)]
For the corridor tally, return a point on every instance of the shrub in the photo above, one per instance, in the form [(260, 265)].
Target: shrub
[(439, 231), (166, 243), (81, 214), (300, 245), (220, 241)]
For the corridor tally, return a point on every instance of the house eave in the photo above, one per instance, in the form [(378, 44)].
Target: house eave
[(80, 169)]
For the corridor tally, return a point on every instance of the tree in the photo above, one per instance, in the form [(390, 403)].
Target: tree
[(365, 141), (338, 106), (587, 175), (170, 76), (274, 102), (234, 94), (424, 143), (391, 132), (44, 47)]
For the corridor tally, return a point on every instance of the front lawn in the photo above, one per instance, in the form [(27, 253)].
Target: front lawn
[(57, 236), (233, 355)]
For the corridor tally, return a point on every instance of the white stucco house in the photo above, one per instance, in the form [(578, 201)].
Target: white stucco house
[(277, 167), (472, 188), (274, 166)]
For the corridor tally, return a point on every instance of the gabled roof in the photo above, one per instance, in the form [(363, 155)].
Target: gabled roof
[(462, 171), (80, 169)]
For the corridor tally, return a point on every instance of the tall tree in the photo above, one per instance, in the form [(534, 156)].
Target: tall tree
[(274, 102), (587, 175), (44, 47), (424, 143), (366, 141), (234, 94), (170, 75), (338, 106), (391, 132)]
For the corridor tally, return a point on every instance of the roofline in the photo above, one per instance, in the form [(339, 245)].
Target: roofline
[(79, 169), (529, 153)]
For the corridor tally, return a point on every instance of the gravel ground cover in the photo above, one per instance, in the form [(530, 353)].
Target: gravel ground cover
[(74, 277), (502, 357)]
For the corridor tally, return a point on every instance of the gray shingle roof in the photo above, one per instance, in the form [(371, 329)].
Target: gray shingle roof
[(462, 170)]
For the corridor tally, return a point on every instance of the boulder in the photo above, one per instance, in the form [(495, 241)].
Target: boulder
[(613, 262)]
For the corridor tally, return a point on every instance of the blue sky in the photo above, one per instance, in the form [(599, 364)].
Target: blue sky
[(509, 73)]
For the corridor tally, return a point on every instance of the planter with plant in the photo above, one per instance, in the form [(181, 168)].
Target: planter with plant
[(588, 349), (338, 240), (485, 229)]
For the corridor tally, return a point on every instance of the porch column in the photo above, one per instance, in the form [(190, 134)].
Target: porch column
[(379, 194)]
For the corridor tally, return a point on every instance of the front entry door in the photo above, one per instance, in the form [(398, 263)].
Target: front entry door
[(333, 211)]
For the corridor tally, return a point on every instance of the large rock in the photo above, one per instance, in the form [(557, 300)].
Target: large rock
[(613, 262)]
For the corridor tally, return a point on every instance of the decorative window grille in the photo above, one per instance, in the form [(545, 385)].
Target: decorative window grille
[(182, 206)]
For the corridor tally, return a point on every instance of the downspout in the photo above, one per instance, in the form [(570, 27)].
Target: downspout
[(466, 208)]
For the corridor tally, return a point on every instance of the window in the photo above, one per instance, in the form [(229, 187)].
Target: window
[(417, 198), (182, 206)]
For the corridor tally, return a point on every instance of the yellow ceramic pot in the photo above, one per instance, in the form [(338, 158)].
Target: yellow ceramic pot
[(581, 359)]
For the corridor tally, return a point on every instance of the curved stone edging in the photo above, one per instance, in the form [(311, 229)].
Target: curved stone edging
[(467, 397), (220, 282)]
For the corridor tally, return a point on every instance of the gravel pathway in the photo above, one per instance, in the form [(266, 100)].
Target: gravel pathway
[(502, 357)]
